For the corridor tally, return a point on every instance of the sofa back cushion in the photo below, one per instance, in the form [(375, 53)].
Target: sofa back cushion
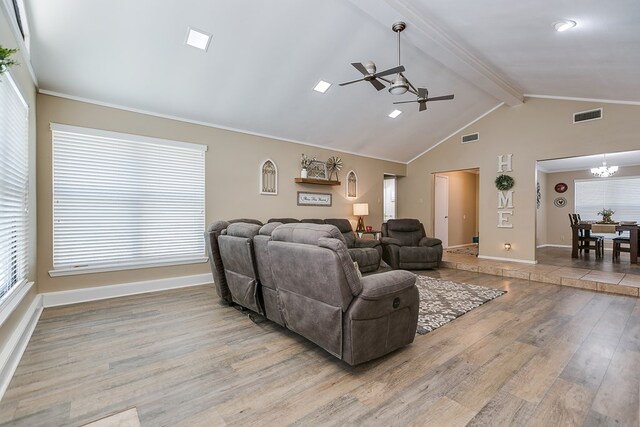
[(345, 228), (284, 220), (313, 221), (408, 231)]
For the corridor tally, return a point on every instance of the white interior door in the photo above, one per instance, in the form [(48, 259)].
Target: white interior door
[(441, 220), (389, 197)]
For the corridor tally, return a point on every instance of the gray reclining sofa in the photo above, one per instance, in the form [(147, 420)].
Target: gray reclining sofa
[(301, 276)]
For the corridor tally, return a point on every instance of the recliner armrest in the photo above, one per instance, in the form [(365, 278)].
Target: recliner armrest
[(366, 243), (380, 286), (390, 241), (429, 241)]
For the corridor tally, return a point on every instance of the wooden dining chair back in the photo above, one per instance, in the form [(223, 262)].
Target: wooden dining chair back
[(587, 241)]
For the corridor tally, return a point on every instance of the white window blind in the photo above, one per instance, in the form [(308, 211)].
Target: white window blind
[(14, 185), (621, 195), (125, 201)]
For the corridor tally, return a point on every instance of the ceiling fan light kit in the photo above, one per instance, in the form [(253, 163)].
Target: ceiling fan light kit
[(398, 85)]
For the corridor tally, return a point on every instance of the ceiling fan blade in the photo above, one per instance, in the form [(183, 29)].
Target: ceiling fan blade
[(422, 92), (404, 102), (352, 81), (440, 98), (377, 84), (423, 106), (413, 88), (358, 66), (394, 70)]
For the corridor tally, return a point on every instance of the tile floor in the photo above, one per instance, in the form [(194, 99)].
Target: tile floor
[(556, 266)]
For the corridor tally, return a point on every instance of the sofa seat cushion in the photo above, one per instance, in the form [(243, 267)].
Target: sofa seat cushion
[(417, 255)]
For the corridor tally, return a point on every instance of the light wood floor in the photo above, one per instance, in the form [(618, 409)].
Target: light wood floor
[(540, 355)]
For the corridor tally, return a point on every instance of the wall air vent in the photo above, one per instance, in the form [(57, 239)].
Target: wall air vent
[(587, 116), (472, 137)]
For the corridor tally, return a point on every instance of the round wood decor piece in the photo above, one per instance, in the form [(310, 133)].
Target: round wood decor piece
[(560, 202), (561, 187)]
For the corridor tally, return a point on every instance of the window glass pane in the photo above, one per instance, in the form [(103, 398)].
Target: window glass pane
[(124, 200)]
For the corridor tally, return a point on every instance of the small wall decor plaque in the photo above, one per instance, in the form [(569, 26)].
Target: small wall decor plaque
[(561, 187), (306, 198), (560, 202)]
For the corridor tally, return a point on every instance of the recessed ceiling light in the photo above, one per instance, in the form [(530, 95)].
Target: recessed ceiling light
[(564, 25), (395, 113), (322, 86), (198, 39)]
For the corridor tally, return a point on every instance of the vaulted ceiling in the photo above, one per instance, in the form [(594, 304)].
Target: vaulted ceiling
[(266, 56)]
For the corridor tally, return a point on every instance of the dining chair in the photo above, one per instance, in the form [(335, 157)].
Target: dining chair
[(621, 244), (587, 242)]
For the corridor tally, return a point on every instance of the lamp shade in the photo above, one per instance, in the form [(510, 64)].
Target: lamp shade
[(360, 209)]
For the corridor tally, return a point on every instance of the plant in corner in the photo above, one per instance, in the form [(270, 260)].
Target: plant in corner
[(5, 59), (606, 215)]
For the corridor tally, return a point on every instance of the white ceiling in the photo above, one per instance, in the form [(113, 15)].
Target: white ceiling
[(627, 158), (265, 58)]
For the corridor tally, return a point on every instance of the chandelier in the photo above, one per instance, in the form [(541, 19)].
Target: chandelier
[(604, 171)]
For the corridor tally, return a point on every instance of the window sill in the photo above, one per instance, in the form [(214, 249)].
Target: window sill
[(12, 299), (121, 267)]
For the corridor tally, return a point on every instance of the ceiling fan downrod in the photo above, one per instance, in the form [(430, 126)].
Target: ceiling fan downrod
[(399, 85)]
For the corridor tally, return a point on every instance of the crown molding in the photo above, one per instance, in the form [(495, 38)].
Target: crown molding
[(207, 124), (458, 131), (570, 98)]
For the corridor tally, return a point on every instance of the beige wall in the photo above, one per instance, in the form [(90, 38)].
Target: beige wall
[(558, 231), (232, 180), (462, 207), (22, 78), (538, 129)]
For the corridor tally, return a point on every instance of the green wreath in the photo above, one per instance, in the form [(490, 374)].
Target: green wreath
[(504, 182)]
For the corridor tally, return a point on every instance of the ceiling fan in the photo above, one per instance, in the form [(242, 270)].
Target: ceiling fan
[(399, 85), (423, 98), (368, 70)]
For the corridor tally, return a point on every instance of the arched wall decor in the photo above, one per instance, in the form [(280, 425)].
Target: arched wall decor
[(352, 185), (268, 178)]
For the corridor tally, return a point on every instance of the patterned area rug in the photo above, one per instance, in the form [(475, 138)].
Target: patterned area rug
[(441, 301), (465, 250)]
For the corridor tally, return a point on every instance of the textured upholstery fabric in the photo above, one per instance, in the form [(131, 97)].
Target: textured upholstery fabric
[(323, 299), (405, 245), (268, 287), (305, 233), (284, 220), (360, 250), (238, 259), (213, 250), (313, 221), (246, 220)]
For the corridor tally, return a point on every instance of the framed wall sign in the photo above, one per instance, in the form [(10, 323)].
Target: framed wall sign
[(306, 198)]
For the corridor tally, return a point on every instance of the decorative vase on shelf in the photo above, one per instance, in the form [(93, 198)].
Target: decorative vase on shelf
[(303, 173)]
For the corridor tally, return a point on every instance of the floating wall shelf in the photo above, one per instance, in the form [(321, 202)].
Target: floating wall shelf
[(315, 181)]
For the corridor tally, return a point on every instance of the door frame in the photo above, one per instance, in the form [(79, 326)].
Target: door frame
[(436, 203)]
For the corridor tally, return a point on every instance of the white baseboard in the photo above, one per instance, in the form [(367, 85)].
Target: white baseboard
[(17, 343), (462, 246), (549, 245), (53, 299), (495, 258)]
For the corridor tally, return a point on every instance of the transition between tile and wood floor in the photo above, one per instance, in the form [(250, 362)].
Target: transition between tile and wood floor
[(584, 278)]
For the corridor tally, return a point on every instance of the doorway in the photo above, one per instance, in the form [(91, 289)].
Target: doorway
[(456, 208), (390, 186)]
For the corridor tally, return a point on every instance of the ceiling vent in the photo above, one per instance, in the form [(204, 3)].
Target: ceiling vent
[(587, 116), (472, 137)]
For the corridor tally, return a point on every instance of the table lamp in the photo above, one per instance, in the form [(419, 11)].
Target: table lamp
[(360, 210)]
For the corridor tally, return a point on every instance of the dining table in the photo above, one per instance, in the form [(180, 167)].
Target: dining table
[(589, 227)]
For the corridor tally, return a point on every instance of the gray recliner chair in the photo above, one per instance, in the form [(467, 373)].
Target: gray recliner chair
[(366, 252), (405, 245), (323, 299), (238, 259), (217, 269)]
